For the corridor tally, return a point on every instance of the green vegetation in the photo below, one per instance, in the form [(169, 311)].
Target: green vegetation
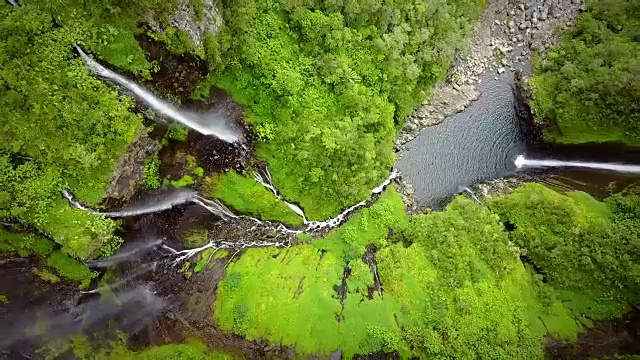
[(327, 84), (582, 245), (586, 88), (63, 127), (453, 284), (151, 173), (25, 244), (247, 196), (83, 348), (177, 132)]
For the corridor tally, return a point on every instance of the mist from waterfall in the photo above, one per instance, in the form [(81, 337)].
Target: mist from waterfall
[(169, 200), (207, 124), (522, 162), (125, 253)]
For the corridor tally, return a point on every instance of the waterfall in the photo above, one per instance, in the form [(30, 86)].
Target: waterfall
[(125, 253), (207, 124), (521, 162), (265, 180), (14, 3), (473, 196), (148, 206)]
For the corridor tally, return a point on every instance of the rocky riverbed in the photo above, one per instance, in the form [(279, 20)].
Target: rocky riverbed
[(509, 32)]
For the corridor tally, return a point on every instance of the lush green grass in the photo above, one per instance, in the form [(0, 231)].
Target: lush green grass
[(247, 196), (42, 248), (326, 84), (453, 284), (586, 88)]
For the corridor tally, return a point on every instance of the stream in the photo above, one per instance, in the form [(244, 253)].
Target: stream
[(481, 143)]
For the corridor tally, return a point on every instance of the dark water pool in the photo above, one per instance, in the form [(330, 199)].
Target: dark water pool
[(477, 144), (482, 142)]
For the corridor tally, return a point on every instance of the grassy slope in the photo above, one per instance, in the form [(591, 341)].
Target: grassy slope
[(247, 196), (458, 290)]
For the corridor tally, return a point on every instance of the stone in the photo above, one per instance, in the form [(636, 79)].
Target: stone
[(514, 39), (497, 22), (522, 26), (495, 78), (534, 21), (521, 6), (500, 70), (534, 15), (523, 53), (543, 17), (512, 12)]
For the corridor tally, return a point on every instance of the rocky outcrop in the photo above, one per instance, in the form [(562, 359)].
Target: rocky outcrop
[(129, 169), (195, 23)]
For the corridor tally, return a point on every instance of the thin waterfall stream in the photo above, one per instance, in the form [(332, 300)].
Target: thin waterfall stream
[(523, 162), (207, 124)]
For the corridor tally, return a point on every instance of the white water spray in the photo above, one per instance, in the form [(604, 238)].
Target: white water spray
[(219, 245), (125, 253), (521, 162), (473, 196), (208, 124), (149, 206)]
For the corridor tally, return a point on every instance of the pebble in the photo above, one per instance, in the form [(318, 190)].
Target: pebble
[(500, 70), (495, 78), (522, 26), (543, 17), (521, 7)]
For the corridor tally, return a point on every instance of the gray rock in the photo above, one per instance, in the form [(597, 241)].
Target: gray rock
[(543, 17), (500, 70), (534, 21), (522, 26)]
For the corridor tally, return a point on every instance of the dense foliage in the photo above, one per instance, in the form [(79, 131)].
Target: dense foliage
[(453, 284), (61, 126), (587, 88), (327, 83), (581, 245)]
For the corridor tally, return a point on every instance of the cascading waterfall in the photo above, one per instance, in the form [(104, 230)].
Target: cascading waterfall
[(521, 162), (207, 124), (173, 199), (267, 182), (184, 196)]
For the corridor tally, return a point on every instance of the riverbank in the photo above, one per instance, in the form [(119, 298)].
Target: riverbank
[(510, 31)]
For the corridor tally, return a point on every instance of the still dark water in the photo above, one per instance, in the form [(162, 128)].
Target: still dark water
[(477, 144), (482, 142)]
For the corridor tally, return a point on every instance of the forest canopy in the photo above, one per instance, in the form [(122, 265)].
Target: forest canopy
[(587, 88), (328, 83)]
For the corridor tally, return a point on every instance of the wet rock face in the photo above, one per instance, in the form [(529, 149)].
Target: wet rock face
[(129, 172), (194, 22)]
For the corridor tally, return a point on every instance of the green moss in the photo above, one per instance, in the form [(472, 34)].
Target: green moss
[(247, 196), (177, 132), (453, 284), (196, 238), (4, 300), (45, 275), (70, 268), (151, 173)]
